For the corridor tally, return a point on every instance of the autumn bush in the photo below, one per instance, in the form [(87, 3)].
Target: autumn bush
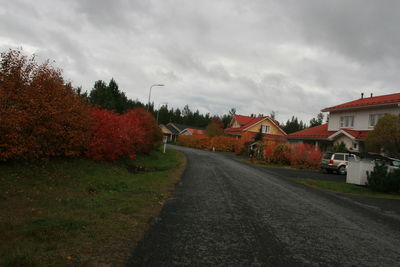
[(300, 155), (40, 114), (242, 142), (194, 141), (218, 143), (223, 143), (117, 136)]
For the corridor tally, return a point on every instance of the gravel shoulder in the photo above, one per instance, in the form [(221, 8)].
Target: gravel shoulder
[(229, 213)]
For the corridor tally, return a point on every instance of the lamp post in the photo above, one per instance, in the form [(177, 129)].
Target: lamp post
[(158, 110), (148, 106)]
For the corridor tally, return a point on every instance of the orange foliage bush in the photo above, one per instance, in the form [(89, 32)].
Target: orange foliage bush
[(223, 143), (195, 141), (219, 143), (40, 115), (241, 142)]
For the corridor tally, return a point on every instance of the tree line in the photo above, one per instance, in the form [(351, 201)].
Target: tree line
[(109, 96)]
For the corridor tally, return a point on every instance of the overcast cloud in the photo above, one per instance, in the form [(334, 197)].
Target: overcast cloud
[(293, 57)]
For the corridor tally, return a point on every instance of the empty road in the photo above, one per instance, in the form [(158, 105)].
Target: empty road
[(227, 213)]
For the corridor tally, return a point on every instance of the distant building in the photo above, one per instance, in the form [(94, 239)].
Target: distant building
[(251, 124), (173, 130), (349, 123)]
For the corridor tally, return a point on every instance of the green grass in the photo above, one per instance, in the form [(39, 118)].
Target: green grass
[(80, 212), (346, 188)]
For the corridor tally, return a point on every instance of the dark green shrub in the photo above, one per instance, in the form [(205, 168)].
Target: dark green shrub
[(340, 148), (383, 181)]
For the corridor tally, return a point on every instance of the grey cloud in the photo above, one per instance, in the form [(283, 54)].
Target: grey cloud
[(293, 57)]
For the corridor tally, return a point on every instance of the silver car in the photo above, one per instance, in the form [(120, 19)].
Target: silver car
[(336, 162)]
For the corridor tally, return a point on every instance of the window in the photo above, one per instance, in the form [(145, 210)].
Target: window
[(265, 128), (374, 118), (339, 156), (355, 145), (346, 121)]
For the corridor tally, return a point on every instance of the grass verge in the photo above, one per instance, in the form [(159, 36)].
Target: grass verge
[(345, 188), (80, 212)]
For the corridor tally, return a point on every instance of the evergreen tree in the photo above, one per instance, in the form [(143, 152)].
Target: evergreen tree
[(110, 97), (317, 121)]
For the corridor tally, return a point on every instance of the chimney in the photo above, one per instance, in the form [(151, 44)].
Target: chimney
[(371, 94), (362, 95)]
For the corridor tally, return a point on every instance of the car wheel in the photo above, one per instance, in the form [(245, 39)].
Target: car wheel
[(342, 170)]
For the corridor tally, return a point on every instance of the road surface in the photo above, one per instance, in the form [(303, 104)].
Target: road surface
[(228, 213)]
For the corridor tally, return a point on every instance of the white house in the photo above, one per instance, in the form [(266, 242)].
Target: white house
[(349, 122)]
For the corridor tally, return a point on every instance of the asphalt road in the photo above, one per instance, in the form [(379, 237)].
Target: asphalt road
[(227, 213)]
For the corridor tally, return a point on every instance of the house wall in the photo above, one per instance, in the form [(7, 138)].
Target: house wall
[(361, 117), (273, 128), (347, 141), (164, 130)]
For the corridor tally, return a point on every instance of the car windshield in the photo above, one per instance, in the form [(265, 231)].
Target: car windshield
[(327, 155)]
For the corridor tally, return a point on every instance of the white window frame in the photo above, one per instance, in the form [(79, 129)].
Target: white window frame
[(346, 122), (374, 118), (265, 128)]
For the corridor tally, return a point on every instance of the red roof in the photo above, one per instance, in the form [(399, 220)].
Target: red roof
[(195, 131), (367, 101), (361, 135), (317, 132), (271, 136), (321, 132), (247, 121)]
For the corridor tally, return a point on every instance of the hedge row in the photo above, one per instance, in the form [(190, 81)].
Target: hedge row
[(41, 116), (218, 143), (296, 155), (274, 152)]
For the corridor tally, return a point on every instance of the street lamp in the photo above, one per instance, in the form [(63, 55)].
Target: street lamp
[(158, 110), (148, 107)]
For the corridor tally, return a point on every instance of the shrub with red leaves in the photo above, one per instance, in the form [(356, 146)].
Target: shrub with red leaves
[(300, 155), (117, 136), (40, 115)]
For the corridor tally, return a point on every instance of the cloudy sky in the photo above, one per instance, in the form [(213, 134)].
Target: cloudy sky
[(293, 57)]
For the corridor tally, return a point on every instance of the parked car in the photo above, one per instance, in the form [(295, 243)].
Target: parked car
[(336, 162), (392, 163)]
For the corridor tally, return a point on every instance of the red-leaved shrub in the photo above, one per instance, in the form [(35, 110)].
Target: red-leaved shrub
[(40, 114), (116, 136), (305, 155), (300, 155)]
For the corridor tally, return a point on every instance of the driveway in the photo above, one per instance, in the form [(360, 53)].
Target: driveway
[(228, 213), (296, 173)]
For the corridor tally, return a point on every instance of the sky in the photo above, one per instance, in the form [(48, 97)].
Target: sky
[(258, 56)]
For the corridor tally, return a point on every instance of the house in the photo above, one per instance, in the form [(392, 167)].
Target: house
[(192, 131), (173, 130), (349, 123), (270, 128), (170, 132)]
